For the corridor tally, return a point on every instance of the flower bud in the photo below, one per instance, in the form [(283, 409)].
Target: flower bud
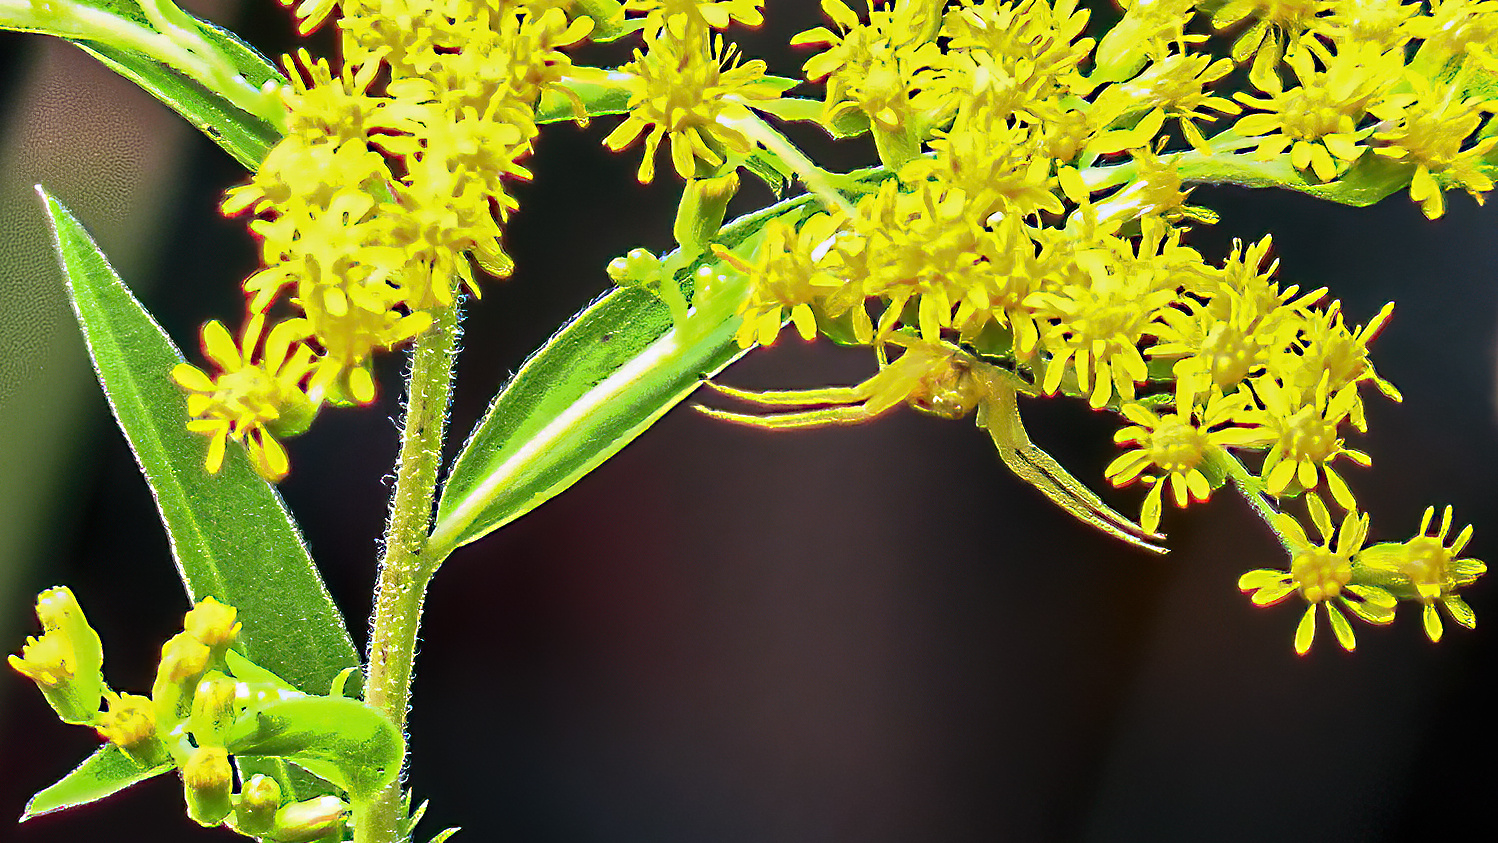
[(638, 268), (207, 780), (65, 661), (183, 660), (213, 709), (303, 822), (212, 623), (130, 724), (704, 202), (255, 809)]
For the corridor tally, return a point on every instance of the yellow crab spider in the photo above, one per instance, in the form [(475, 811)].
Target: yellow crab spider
[(943, 380)]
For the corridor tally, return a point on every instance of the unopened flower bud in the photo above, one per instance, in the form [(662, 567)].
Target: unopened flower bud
[(213, 709), (183, 660), (207, 780), (212, 623), (303, 822), (130, 724), (637, 268), (255, 809), (704, 202), (65, 661)]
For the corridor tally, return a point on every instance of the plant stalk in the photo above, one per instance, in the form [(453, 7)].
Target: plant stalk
[(406, 568)]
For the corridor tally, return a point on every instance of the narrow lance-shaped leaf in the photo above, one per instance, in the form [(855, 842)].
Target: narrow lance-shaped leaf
[(105, 772), (230, 534), (602, 380)]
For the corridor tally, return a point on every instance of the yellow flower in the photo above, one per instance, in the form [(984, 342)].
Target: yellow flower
[(1277, 24), (65, 661), (880, 69), (1318, 120), (1172, 87), (1236, 330), (689, 92), (1098, 315), (1302, 425), (790, 274), (1324, 575), (247, 401), (1173, 447), (681, 14), (1433, 569), (1430, 126)]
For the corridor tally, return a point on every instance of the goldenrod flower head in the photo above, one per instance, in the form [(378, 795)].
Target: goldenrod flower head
[(322, 108), (1433, 569), (1237, 326), (129, 723), (65, 660), (880, 69), (1033, 41), (1431, 127), (248, 399), (680, 15), (1327, 349), (212, 623), (1097, 318), (995, 167), (1457, 27), (1147, 30), (1318, 120), (790, 274), (689, 91), (1172, 448), (1323, 573), (1275, 33), (1384, 23), (1304, 426), (1172, 87)]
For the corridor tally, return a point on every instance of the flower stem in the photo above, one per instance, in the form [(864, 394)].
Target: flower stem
[(406, 567), (1252, 490)]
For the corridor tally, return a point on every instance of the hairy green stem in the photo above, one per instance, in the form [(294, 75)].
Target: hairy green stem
[(406, 567)]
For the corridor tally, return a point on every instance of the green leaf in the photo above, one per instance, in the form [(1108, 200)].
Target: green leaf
[(231, 536), (341, 740), (609, 374), (106, 771), (243, 135), (118, 33)]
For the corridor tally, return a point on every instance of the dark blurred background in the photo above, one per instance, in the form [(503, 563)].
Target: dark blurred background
[(863, 634)]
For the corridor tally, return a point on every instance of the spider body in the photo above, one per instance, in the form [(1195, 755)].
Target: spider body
[(943, 380)]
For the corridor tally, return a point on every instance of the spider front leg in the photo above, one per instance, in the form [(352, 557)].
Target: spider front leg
[(998, 413), (887, 389)]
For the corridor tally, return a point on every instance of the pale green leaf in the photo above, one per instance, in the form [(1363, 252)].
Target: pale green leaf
[(341, 740), (106, 771), (609, 374)]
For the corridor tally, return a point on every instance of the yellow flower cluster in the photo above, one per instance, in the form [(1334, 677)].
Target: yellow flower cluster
[(186, 721), (1035, 218), (393, 171)]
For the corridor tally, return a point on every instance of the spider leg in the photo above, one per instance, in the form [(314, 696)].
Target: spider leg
[(777, 397), (999, 415), (852, 414)]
